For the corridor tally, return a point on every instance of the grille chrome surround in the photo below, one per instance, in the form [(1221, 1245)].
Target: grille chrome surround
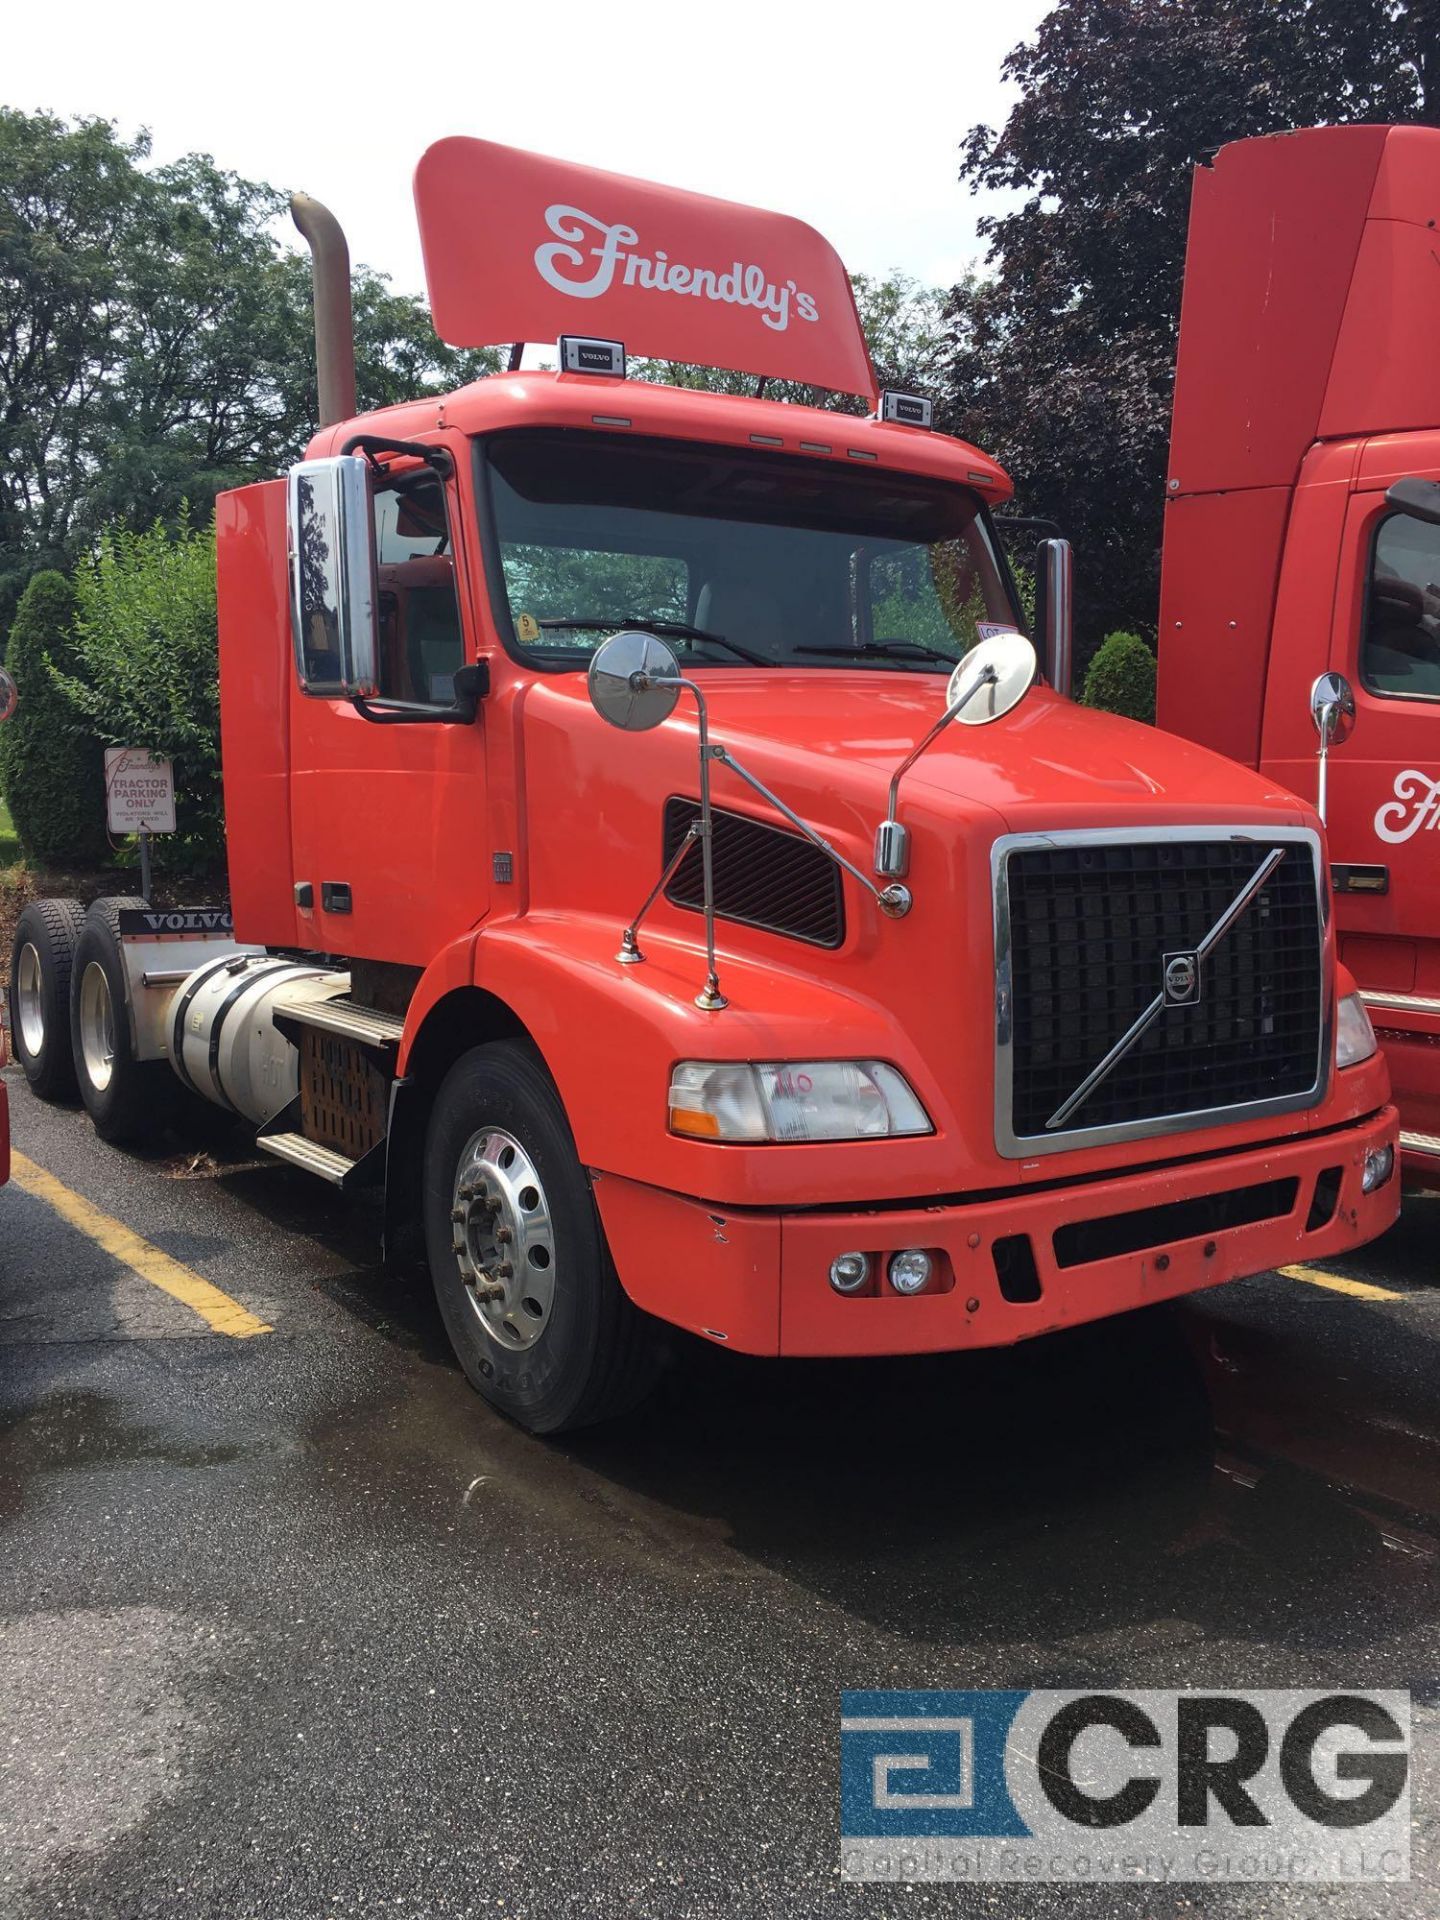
[(1301, 844), (765, 876)]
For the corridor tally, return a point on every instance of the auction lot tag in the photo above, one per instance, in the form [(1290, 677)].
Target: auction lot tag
[(1260, 1785), (139, 791)]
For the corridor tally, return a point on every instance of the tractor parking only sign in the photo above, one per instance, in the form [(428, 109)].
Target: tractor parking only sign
[(139, 791)]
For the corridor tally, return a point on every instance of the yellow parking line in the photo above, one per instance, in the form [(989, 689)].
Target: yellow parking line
[(217, 1309), (1357, 1289)]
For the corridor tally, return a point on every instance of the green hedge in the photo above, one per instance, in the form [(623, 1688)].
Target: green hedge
[(146, 670), (1121, 677), (51, 765)]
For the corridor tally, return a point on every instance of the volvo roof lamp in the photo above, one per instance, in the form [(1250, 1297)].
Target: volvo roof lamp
[(905, 409), (994, 676), (580, 354)]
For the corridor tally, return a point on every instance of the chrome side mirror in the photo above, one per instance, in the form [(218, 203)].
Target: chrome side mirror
[(334, 598), (1055, 579), (1332, 708), (1000, 670), (634, 680)]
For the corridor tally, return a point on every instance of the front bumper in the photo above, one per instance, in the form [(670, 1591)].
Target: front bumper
[(759, 1280)]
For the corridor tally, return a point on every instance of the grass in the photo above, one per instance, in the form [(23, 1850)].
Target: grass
[(9, 840)]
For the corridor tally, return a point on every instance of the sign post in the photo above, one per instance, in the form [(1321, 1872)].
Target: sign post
[(139, 799)]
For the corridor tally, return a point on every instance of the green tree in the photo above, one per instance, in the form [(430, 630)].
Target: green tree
[(1121, 677), (906, 328), (156, 338), (145, 668), (1063, 350), (51, 765)]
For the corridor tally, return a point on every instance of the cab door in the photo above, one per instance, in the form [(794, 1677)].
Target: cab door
[(388, 807), (1384, 780)]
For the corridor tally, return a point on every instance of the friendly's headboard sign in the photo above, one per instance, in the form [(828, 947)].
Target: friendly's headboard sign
[(519, 247)]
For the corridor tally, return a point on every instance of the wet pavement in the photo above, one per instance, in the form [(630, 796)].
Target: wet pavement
[(293, 1625)]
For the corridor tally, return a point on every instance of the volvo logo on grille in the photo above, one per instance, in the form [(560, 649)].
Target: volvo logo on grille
[(1182, 979)]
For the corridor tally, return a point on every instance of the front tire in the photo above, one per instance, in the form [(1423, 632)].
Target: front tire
[(41, 962), (128, 1099), (523, 1279)]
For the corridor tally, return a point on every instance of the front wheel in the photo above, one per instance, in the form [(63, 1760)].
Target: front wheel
[(523, 1278)]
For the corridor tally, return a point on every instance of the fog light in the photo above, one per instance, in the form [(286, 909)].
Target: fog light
[(849, 1272), (910, 1272), (1379, 1165)]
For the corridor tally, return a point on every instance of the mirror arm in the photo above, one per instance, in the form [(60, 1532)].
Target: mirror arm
[(892, 841), (893, 900), (472, 683), (630, 952)]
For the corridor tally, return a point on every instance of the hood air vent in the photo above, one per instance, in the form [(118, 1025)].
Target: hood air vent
[(765, 876)]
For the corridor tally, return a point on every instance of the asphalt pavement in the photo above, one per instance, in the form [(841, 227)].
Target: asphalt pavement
[(292, 1625)]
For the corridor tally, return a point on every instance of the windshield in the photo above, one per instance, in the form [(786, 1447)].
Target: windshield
[(735, 556)]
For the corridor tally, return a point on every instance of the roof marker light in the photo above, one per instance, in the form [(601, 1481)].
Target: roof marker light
[(906, 409), (581, 355), (766, 440), (814, 446)]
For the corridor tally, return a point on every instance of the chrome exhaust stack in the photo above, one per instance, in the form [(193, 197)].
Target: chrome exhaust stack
[(334, 322)]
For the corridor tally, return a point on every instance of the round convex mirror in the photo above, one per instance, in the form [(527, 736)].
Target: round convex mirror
[(994, 676), (634, 681), (1332, 708)]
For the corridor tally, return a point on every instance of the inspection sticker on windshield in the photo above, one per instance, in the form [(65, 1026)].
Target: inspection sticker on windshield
[(1259, 1785), (527, 627)]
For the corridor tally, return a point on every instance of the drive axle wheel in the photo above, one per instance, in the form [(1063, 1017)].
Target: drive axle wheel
[(523, 1279), (128, 1099), (41, 964)]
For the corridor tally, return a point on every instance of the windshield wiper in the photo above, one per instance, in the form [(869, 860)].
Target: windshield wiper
[(886, 649), (668, 629)]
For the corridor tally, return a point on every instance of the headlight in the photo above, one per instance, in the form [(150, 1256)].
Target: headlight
[(1354, 1036), (793, 1100)]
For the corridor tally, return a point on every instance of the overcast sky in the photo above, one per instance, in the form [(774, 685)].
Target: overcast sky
[(847, 117)]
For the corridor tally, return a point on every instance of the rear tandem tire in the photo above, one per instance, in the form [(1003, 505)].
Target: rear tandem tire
[(563, 1347), (41, 962), (128, 1099)]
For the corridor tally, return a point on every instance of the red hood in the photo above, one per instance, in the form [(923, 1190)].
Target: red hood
[(1048, 763)]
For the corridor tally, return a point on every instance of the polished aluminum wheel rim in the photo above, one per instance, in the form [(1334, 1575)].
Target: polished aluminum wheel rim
[(29, 1008), (503, 1238), (97, 1026)]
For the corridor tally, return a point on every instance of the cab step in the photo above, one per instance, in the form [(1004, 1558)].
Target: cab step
[(366, 1026), (1425, 1144), (309, 1154)]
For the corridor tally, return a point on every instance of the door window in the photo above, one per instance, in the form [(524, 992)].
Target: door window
[(422, 643), (1400, 647)]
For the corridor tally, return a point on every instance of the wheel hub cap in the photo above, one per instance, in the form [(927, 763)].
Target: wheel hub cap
[(97, 1026), (29, 1008), (503, 1238)]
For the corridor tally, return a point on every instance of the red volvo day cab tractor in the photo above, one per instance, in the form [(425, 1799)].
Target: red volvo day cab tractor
[(653, 866), (1300, 598)]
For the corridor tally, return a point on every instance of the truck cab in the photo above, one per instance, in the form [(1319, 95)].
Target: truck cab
[(1303, 535), (657, 864)]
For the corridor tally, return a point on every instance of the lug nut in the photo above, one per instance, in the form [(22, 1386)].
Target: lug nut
[(457, 1214), (503, 1234), (488, 1290)]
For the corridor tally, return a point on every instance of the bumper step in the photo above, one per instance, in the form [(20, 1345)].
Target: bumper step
[(1427, 1145)]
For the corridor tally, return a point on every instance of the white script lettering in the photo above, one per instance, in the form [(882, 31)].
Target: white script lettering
[(1416, 805), (565, 264)]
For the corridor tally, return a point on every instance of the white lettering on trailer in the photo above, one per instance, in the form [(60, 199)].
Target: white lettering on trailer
[(737, 285), (1416, 805)]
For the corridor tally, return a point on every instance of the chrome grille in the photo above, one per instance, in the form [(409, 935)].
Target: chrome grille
[(1085, 924)]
